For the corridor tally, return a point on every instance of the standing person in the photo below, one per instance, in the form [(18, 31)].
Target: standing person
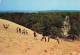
[(4, 25), (23, 31), (62, 31), (57, 38), (73, 37), (26, 32), (35, 36), (7, 25), (44, 37), (49, 36), (19, 30)]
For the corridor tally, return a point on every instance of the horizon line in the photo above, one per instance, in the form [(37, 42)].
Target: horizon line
[(33, 11)]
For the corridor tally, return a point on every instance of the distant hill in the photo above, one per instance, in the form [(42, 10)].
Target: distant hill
[(61, 11), (25, 11)]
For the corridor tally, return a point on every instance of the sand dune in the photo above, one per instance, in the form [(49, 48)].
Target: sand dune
[(13, 43)]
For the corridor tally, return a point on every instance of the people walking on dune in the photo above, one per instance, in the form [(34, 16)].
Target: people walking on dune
[(49, 36), (23, 31), (26, 32), (57, 38), (6, 26), (19, 30), (35, 35), (3, 25), (44, 37), (62, 31)]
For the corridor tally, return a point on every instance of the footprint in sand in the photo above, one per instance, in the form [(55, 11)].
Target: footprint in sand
[(3, 38), (15, 43), (10, 40), (1, 41), (51, 49), (7, 46), (55, 46), (25, 50), (39, 53), (28, 48), (45, 51)]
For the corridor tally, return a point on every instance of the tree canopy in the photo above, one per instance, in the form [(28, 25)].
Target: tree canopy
[(50, 22)]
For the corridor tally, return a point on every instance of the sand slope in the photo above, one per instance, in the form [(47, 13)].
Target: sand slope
[(13, 43)]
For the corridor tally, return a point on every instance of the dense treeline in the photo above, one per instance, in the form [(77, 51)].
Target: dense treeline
[(49, 22)]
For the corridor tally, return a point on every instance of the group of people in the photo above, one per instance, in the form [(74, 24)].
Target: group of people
[(6, 26), (49, 36), (24, 31), (44, 37)]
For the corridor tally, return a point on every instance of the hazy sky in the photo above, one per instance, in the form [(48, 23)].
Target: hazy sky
[(37, 5)]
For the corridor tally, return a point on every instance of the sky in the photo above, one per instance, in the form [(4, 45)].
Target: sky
[(39, 5), (0, 1)]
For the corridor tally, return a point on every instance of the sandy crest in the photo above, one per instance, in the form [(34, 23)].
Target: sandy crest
[(13, 43)]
